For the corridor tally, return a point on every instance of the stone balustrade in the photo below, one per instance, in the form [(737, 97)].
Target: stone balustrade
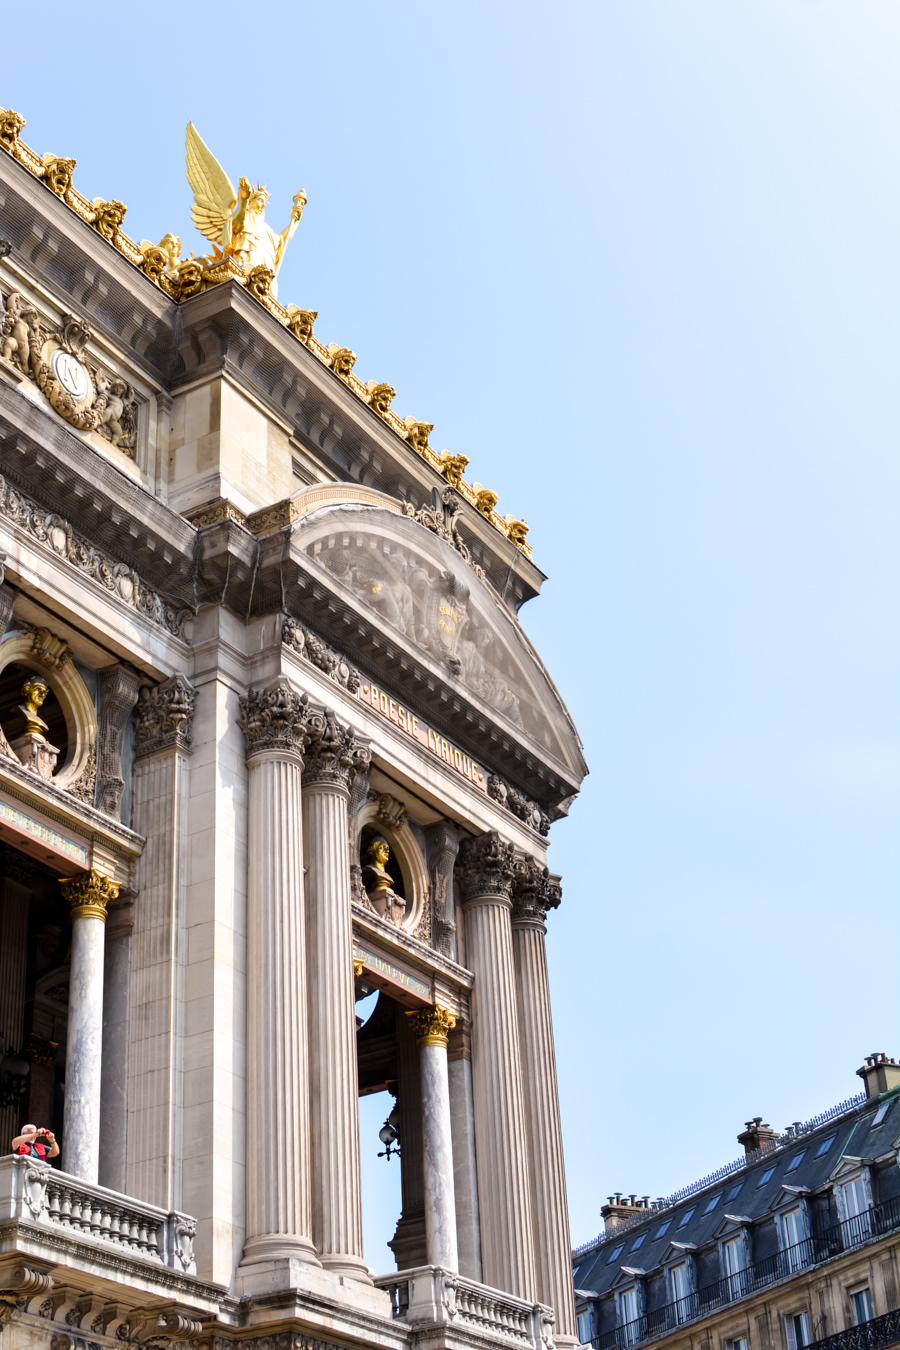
[(436, 1296), (35, 1193)]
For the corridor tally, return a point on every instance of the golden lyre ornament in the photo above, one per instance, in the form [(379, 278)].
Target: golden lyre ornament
[(234, 220)]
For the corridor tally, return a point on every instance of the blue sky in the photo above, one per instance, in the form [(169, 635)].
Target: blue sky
[(638, 260)]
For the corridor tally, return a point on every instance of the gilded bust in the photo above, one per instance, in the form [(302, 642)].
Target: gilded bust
[(34, 691), (380, 886)]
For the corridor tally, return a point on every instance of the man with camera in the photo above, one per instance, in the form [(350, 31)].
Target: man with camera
[(35, 1143)]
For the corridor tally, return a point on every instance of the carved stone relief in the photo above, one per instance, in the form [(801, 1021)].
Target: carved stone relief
[(319, 654), (164, 717)]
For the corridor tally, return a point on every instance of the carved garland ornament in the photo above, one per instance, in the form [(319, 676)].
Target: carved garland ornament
[(57, 536), (53, 358), (182, 278)]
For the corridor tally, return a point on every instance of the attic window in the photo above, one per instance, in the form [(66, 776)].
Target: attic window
[(662, 1230), (735, 1190), (824, 1146), (685, 1217), (766, 1176), (616, 1253), (711, 1204), (881, 1113), (638, 1242), (796, 1160)]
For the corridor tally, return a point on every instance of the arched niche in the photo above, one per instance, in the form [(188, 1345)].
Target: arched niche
[(404, 850), (74, 700)]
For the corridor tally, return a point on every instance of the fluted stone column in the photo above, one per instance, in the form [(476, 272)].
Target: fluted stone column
[(431, 1026), (279, 1206), (485, 870), (88, 894), (116, 1017), (465, 1169), (534, 892), (332, 759)]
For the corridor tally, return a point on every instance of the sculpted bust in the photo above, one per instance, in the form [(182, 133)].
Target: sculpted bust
[(380, 886), (34, 691)]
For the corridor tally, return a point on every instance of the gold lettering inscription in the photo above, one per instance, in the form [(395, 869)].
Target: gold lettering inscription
[(401, 717)]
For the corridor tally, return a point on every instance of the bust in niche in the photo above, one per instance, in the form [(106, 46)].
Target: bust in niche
[(34, 691), (379, 884)]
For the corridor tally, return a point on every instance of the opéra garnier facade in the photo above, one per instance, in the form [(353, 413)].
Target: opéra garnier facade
[(272, 741)]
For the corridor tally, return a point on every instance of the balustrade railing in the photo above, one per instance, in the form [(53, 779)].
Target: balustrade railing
[(830, 1242), (430, 1294), (35, 1193), (873, 1335)]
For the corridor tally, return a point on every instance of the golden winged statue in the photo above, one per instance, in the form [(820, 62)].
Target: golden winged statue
[(234, 221)]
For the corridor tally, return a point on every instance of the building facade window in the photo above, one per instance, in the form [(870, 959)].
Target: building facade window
[(630, 1314), (739, 1343), (797, 1331), (584, 1328), (681, 1290), (733, 1261), (862, 1306), (857, 1221)]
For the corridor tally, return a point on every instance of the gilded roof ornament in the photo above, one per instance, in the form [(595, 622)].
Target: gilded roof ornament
[(417, 434), (341, 360), (300, 322), (235, 221), (485, 499), (380, 396), (452, 467)]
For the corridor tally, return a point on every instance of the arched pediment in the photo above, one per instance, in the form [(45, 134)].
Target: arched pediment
[(415, 587)]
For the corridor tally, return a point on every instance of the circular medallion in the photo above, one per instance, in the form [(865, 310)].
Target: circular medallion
[(70, 374)]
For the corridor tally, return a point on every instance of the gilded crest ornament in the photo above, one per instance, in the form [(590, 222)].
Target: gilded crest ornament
[(234, 221)]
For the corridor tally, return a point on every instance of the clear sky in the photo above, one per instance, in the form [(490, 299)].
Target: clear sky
[(638, 260)]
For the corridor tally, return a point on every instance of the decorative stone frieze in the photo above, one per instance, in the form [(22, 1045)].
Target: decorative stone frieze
[(533, 894), (333, 754), (320, 655), (442, 520), (89, 893), (164, 717), (275, 718), (57, 536), (432, 1026), (119, 688), (485, 866)]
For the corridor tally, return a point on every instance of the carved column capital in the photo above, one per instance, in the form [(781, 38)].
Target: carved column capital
[(275, 718), (432, 1026), (333, 754), (485, 867), (164, 717), (89, 893), (534, 892)]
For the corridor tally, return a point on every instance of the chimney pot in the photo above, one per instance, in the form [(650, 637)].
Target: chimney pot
[(879, 1074), (757, 1136)]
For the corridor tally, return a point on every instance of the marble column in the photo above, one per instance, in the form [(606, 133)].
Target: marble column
[(408, 1243), (431, 1026), (485, 870), (279, 1206), (114, 1078), (163, 739), (16, 871), (534, 892), (465, 1171), (88, 895), (332, 759)]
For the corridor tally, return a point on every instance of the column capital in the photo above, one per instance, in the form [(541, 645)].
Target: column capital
[(164, 716), (89, 893), (485, 867), (431, 1026), (275, 718), (534, 891), (333, 754)]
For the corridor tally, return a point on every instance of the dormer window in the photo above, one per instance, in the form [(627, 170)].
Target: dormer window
[(662, 1230), (616, 1253), (685, 1218), (638, 1242), (881, 1113), (584, 1328), (796, 1161), (857, 1224), (735, 1190), (711, 1204), (681, 1291), (766, 1176), (824, 1146)]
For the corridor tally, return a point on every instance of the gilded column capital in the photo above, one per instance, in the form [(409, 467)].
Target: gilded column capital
[(164, 717), (534, 892), (485, 867), (432, 1026), (333, 754), (89, 893), (275, 718)]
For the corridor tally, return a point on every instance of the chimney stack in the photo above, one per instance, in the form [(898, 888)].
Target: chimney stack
[(757, 1136), (879, 1074), (621, 1207)]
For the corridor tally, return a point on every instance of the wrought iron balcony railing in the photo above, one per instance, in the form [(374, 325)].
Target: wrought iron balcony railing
[(841, 1237), (877, 1334)]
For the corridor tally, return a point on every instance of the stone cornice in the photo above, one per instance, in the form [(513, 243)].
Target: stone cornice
[(81, 819), (425, 959), (485, 867)]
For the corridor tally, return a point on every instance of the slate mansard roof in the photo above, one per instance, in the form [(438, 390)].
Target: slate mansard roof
[(804, 1158)]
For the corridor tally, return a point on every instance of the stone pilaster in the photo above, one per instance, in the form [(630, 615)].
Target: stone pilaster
[(279, 1207), (332, 759), (465, 1170), (163, 732), (442, 840), (431, 1026), (88, 895), (485, 871), (119, 688), (534, 892)]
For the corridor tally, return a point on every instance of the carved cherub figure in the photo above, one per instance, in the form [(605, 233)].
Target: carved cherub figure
[(300, 322), (235, 220), (380, 886), (17, 324), (112, 418), (453, 467), (379, 396)]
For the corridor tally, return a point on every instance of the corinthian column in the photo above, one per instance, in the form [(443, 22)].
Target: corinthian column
[(279, 1209), (88, 895), (534, 892), (431, 1027), (332, 759), (485, 869)]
